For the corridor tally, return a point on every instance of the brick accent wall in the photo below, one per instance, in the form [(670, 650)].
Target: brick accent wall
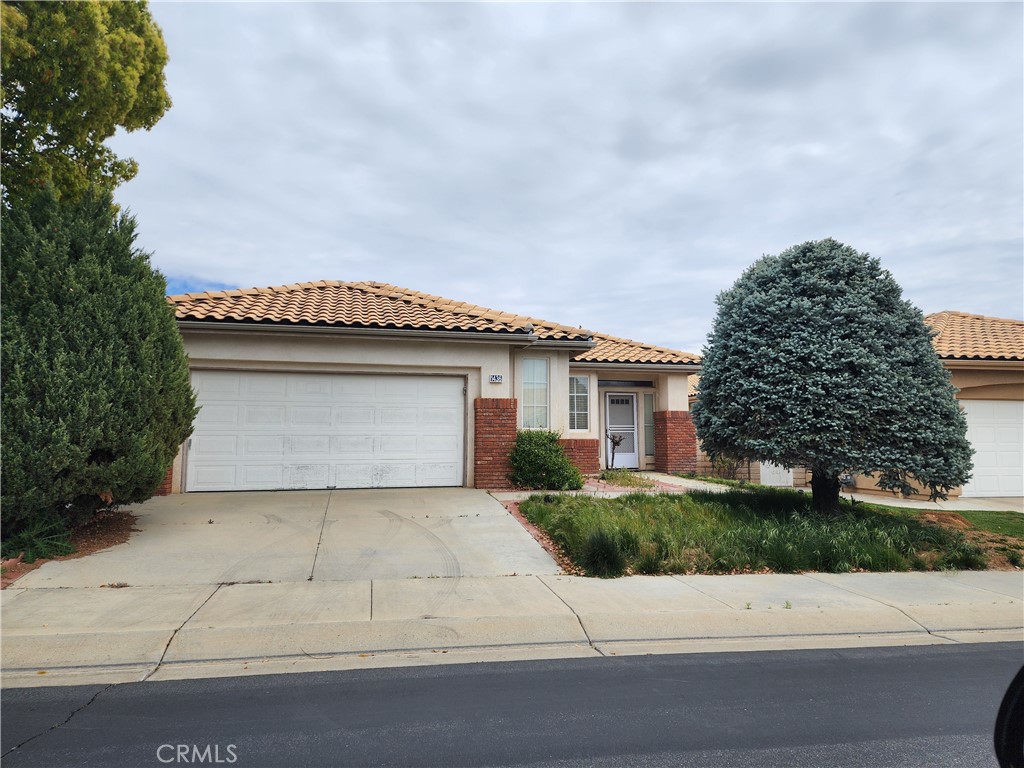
[(493, 439), (585, 454), (675, 442), (164, 489)]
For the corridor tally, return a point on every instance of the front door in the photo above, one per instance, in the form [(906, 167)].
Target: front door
[(620, 422)]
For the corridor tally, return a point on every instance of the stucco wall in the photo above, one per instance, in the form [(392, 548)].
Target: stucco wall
[(988, 382)]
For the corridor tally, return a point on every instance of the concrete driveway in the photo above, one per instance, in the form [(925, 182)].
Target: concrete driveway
[(297, 536)]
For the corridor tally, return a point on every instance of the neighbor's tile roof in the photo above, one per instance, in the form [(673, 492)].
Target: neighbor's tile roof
[(379, 305), (975, 337)]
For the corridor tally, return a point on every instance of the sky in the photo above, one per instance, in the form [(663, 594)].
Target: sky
[(610, 166)]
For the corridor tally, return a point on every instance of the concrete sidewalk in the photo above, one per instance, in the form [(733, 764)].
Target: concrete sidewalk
[(55, 636)]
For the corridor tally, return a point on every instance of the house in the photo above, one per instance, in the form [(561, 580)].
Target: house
[(985, 356), (360, 384)]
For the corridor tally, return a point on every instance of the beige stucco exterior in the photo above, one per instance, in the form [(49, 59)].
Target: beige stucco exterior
[(476, 361)]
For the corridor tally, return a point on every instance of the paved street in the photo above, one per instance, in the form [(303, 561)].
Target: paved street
[(858, 707)]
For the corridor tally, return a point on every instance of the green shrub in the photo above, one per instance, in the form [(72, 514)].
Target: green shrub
[(538, 461), (96, 396)]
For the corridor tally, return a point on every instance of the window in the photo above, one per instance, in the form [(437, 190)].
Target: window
[(579, 402), (535, 394), (648, 424)]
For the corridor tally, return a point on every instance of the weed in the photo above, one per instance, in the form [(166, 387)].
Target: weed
[(626, 479), (747, 606), (601, 555), (41, 538), (788, 605)]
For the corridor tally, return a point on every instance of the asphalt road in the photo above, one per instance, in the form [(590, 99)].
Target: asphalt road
[(921, 706)]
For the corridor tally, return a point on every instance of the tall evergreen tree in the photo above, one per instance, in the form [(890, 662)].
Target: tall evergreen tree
[(815, 359), (96, 396)]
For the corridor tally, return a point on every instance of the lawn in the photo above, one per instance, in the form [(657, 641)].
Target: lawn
[(743, 531)]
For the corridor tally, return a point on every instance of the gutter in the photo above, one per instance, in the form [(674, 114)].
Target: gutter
[(674, 367), (515, 339)]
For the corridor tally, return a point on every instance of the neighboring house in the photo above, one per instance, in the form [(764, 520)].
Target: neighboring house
[(360, 385), (985, 356)]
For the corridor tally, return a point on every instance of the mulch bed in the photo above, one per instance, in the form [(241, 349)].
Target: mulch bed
[(106, 530)]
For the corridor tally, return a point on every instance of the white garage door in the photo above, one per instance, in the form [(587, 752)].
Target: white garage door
[(260, 431), (996, 431)]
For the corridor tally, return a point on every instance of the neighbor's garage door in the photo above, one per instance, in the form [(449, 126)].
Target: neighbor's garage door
[(995, 429), (293, 430)]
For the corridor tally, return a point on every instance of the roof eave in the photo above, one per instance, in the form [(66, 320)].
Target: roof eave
[(687, 368), (223, 326), (981, 362)]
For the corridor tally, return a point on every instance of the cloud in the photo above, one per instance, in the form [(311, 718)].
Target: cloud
[(612, 166)]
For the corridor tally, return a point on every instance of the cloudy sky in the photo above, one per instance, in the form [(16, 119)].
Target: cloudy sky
[(608, 166)]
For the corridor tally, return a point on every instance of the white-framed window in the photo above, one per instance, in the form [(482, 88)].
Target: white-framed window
[(535, 393), (579, 402)]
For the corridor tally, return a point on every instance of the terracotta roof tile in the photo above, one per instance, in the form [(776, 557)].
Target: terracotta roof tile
[(610, 349), (384, 306), (975, 337)]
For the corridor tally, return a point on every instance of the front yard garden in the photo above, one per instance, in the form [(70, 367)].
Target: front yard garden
[(763, 530)]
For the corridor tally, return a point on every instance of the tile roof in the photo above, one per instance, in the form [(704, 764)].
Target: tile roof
[(610, 349), (975, 337), (370, 305)]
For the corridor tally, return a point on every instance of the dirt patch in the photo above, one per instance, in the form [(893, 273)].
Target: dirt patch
[(946, 520), (998, 547), (106, 530)]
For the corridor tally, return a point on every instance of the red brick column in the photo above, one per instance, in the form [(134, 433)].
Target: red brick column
[(585, 454), (164, 489), (675, 442), (493, 439)]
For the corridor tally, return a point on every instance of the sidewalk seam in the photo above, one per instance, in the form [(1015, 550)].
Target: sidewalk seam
[(573, 610), (706, 594), (869, 597), (174, 634)]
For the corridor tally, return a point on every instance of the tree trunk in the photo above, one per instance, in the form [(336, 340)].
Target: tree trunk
[(824, 492)]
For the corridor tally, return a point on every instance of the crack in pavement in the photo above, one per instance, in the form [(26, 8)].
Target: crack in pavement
[(66, 720), (174, 634), (323, 524), (578, 619)]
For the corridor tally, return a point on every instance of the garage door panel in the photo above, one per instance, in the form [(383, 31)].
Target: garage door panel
[(401, 417), (263, 445), (353, 475), (215, 445), (353, 445), (348, 415), (215, 414), (309, 415), (261, 431), (309, 445), (995, 429), (436, 474)]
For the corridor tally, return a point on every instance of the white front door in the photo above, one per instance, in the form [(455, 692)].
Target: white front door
[(620, 421)]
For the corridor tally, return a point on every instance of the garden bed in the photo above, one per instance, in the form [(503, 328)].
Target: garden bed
[(757, 531)]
